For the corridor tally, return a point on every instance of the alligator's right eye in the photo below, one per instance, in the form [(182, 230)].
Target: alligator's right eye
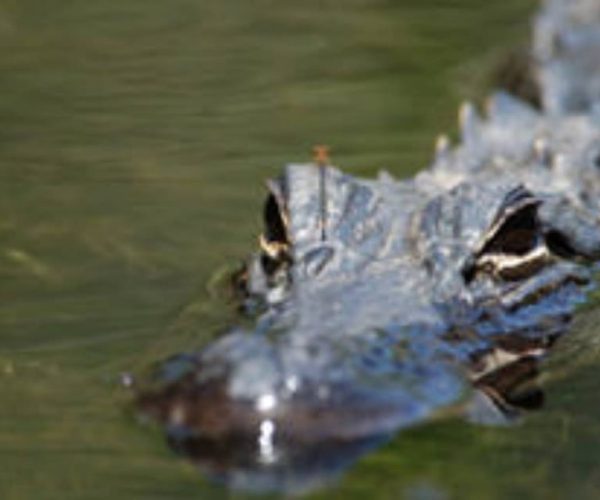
[(518, 234), (514, 247)]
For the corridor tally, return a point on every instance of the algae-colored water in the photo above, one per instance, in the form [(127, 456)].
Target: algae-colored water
[(134, 140)]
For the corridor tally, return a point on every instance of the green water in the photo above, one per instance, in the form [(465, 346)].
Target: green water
[(134, 140)]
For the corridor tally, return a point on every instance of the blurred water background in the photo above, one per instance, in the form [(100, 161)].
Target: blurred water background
[(134, 140)]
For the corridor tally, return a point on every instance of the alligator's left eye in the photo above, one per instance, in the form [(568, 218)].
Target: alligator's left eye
[(274, 241), (514, 247), (275, 227)]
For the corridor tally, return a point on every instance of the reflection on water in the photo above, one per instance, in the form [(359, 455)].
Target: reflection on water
[(135, 137), (304, 470)]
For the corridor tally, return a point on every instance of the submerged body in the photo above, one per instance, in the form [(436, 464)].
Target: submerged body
[(384, 303)]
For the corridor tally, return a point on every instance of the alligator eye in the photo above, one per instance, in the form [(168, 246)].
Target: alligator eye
[(514, 248), (275, 228), (518, 234), (274, 241)]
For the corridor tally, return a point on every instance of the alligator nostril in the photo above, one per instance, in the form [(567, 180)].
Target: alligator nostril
[(315, 260)]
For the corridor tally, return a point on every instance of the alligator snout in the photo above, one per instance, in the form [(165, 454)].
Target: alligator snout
[(269, 443), (260, 395), (253, 404), (246, 414)]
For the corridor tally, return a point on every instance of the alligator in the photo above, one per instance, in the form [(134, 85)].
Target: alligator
[(381, 303)]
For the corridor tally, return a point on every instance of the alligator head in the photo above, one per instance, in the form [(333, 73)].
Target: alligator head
[(385, 303)]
